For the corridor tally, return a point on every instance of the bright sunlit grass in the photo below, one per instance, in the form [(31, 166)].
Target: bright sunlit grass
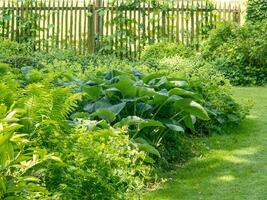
[(234, 167)]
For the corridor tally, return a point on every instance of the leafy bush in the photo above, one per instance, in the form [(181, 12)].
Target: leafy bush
[(156, 52), (99, 164), (9, 48), (256, 10), (19, 175), (242, 57), (216, 90)]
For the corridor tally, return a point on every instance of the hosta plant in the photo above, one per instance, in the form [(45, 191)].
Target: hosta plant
[(149, 107)]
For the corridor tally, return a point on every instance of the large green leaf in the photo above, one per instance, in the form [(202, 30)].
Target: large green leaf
[(192, 108), (5, 138), (126, 87), (143, 123), (150, 123), (117, 108), (93, 92), (128, 121), (143, 145), (100, 104), (185, 93), (105, 114), (161, 97), (189, 121), (151, 77), (175, 127)]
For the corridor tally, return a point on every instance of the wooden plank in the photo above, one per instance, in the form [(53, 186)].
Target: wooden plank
[(139, 30), (36, 28), (17, 21), (168, 22), (153, 24), (197, 25), (187, 23), (192, 31), (112, 26), (8, 21), (107, 20), (53, 23), (75, 25), (178, 22), (135, 34), (126, 35), (62, 27), (3, 20), (206, 24), (148, 23), (30, 28), (211, 15), (220, 12), (224, 11), (90, 28), (12, 21), (229, 11), (158, 22), (172, 21), (58, 24), (80, 31), (44, 27), (85, 28), (182, 22), (71, 25), (131, 34), (144, 25), (48, 26), (67, 25), (163, 25), (116, 28), (201, 25), (40, 24), (22, 20)]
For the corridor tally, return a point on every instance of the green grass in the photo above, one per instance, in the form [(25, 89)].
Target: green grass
[(234, 167)]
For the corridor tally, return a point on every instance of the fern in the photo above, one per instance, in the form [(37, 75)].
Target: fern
[(64, 102)]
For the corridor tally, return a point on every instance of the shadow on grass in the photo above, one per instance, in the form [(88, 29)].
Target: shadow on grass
[(233, 168)]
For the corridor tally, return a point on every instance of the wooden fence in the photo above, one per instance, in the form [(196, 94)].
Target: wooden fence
[(121, 27)]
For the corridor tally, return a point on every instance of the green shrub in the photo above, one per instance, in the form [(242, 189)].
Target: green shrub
[(158, 51), (256, 10), (101, 164), (19, 160), (242, 57), (10, 48), (206, 80)]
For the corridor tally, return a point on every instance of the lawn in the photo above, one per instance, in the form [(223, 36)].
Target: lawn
[(234, 166)]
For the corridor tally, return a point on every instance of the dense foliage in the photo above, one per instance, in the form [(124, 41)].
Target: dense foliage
[(97, 127), (239, 52), (45, 153), (256, 10)]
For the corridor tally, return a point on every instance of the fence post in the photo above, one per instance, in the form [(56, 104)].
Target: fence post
[(98, 21)]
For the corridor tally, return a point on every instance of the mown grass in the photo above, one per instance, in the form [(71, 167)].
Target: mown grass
[(235, 165)]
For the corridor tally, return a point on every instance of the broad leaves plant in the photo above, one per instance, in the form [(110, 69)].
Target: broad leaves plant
[(147, 106)]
